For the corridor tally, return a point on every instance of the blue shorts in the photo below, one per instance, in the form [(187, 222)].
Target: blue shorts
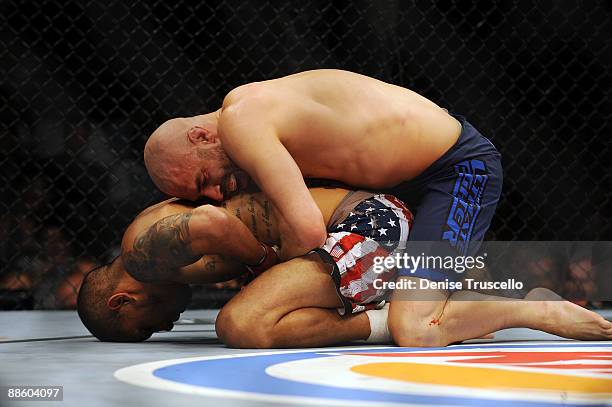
[(455, 198)]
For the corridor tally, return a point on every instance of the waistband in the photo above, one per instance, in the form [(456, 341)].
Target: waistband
[(470, 144), (348, 203)]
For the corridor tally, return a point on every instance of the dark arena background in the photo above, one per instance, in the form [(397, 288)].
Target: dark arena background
[(83, 84)]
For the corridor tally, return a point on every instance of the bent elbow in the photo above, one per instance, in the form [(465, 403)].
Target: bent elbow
[(313, 236), (208, 222)]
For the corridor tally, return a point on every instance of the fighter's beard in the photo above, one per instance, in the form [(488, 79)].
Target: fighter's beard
[(239, 176)]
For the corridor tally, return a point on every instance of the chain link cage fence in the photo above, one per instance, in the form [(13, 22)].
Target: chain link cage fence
[(84, 83)]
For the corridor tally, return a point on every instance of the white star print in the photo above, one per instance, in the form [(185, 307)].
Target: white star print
[(371, 222), (369, 209), (353, 226), (382, 231), (391, 222), (340, 226), (351, 214)]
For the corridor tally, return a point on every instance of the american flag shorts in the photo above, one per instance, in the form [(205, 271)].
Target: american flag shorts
[(377, 226)]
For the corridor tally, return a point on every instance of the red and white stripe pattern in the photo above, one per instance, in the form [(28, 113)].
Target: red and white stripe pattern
[(354, 253)]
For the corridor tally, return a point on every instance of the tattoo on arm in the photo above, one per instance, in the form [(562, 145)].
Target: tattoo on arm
[(161, 249)]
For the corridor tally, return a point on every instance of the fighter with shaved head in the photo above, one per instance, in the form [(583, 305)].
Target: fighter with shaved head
[(341, 126)]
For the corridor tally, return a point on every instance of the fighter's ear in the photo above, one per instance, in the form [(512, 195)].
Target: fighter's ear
[(118, 300), (198, 134)]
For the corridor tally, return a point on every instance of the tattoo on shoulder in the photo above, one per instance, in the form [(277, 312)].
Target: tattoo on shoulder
[(161, 249)]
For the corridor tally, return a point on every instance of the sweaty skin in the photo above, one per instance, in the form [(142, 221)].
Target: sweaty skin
[(327, 124), (158, 244), (344, 126)]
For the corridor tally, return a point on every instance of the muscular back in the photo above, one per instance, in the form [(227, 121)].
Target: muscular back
[(157, 244), (345, 126), (253, 209)]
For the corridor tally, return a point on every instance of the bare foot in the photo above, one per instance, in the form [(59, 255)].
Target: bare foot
[(566, 319)]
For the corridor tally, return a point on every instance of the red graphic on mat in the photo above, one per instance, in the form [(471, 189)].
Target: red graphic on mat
[(546, 360)]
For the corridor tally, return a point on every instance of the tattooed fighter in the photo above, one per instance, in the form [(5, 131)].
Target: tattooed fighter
[(175, 243), (292, 304)]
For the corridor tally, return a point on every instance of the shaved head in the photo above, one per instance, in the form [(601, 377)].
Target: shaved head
[(185, 158), (102, 322), (167, 151), (115, 307)]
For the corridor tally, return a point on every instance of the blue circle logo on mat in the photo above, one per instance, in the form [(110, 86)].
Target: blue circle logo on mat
[(526, 374)]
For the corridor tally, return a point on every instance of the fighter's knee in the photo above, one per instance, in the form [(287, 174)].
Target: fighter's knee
[(223, 326), (232, 327), (237, 329)]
